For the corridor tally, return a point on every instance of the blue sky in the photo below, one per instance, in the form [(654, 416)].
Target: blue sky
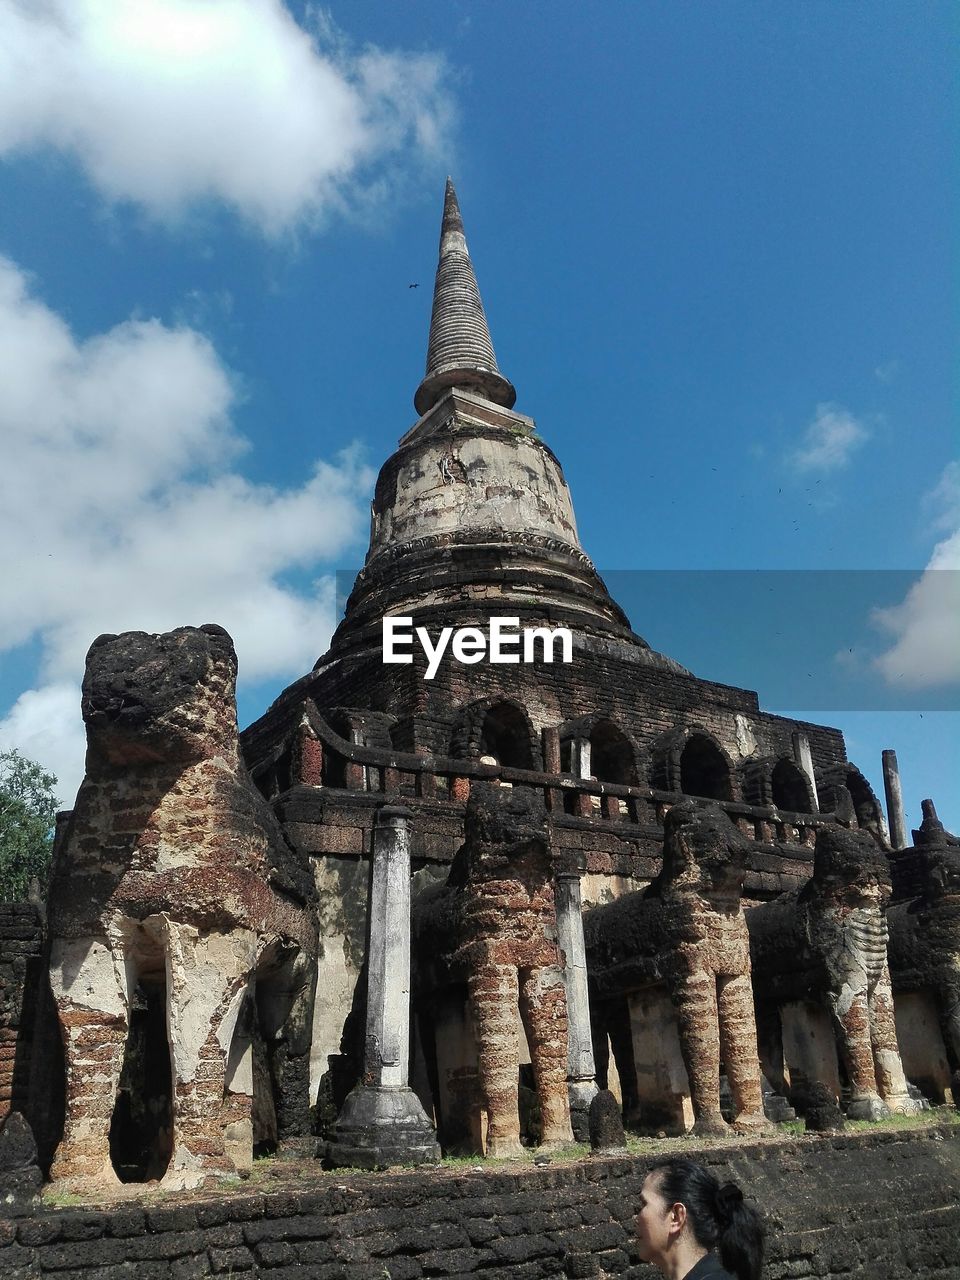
[(716, 247)]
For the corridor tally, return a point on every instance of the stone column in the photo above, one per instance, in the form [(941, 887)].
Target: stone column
[(894, 796), (581, 1072), (382, 1121), (580, 768), (368, 775), (803, 758), (580, 757)]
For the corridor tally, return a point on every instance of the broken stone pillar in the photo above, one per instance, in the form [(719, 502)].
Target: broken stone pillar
[(606, 1126), (382, 1121), (894, 796), (307, 770), (581, 1071), (804, 760)]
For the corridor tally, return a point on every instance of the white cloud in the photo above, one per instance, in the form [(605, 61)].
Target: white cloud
[(45, 725), (169, 102), (120, 508), (830, 440), (943, 500), (926, 623)]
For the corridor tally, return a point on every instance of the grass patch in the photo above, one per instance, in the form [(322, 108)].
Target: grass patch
[(935, 1118), (794, 1127), (528, 1156), (58, 1199)]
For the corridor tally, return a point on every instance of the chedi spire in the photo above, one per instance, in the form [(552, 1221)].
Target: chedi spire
[(459, 352)]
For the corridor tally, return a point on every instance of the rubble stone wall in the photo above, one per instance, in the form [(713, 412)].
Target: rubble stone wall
[(860, 1206), (21, 938)]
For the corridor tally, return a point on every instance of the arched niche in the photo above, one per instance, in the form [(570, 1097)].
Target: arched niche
[(704, 769), (612, 756), (141, 1125), (789, 788), (755, 780), (506, 736), (499, 728), (865, 803), (837, 783)]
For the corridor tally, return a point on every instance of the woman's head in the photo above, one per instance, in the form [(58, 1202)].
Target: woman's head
[(683, 1207)]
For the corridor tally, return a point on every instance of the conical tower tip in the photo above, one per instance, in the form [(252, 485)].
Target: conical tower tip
[(459, 351)]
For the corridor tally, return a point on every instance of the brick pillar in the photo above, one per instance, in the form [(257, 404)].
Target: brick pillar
[(551, 749), (307, 768), (610, 807), (550, 738), (460, 790), (355, 776)]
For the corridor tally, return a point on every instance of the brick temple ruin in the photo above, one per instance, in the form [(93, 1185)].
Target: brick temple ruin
[(359, 928)]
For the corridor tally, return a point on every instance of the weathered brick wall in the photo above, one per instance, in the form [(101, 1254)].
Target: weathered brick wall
[(21, 939), (339, 824), (878, 1204), (644, 700)]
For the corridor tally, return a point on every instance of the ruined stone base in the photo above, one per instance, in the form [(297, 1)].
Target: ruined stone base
[(380, 1127), (300, 1147), (581, 1094), (19, 1190), (777, 1109), (870, 1107), (908, 1104)]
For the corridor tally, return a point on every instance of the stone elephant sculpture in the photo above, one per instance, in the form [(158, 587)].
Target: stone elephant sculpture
[(826, 944), (174, 895), (685, 935)]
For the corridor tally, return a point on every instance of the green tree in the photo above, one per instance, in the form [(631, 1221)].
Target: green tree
[(28, 810)]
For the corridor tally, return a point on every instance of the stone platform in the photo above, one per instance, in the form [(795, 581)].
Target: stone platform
[(881, 1203)]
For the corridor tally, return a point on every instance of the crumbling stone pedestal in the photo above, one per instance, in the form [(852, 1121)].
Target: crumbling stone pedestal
[(606, 1125), (776, 1107), (382, 1121), (379, 1127)]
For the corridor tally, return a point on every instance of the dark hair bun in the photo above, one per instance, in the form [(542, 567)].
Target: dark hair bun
[(728, 1197)]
